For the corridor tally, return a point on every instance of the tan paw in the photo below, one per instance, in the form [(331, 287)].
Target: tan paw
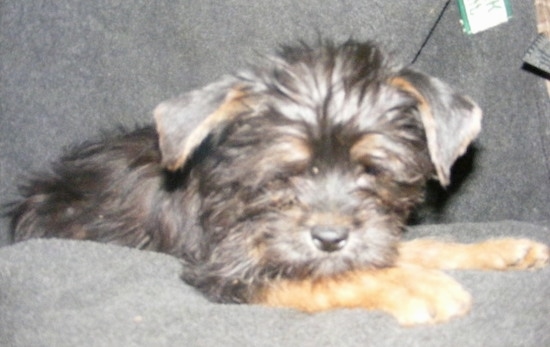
[(413, 295), (513, 254), (422, 296)]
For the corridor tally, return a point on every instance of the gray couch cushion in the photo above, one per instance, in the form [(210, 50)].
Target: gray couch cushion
[(69, 293)]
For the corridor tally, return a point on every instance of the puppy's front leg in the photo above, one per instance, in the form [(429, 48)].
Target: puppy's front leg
[(413, 295), (494, 254), (413, 291)]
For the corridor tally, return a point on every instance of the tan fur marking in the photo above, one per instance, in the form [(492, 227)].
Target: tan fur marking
[(414, 291), (368, 144), (496, 254), (235, 103), (412, 295), (403, 84), (293, 150)]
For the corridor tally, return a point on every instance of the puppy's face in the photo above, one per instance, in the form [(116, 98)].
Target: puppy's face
[(309, 166)]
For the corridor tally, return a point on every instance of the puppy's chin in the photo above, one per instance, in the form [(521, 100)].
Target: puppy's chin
[(294, 254), (331, 264)]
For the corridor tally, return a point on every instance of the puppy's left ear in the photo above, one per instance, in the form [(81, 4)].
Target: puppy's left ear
[(451, 121)]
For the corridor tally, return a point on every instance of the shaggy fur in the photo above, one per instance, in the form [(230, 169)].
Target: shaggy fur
[(305, 167)]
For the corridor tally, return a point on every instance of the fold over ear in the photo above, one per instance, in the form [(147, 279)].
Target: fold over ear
[(451, 121), (184, 122)]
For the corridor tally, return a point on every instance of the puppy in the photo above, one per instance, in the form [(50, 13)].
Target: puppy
[(288, 184)]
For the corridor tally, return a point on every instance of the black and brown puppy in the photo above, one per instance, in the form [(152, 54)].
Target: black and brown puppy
[(287, 185)]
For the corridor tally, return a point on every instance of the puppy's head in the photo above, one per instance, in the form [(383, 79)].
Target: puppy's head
[(310, 165)]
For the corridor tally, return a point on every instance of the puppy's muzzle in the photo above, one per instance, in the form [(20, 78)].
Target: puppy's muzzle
[(329, 238)]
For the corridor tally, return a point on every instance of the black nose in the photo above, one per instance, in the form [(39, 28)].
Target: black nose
[(329, 238)]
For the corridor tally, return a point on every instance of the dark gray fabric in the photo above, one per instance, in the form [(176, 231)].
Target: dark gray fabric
[(71, 68), (509, 175), (70, 293)]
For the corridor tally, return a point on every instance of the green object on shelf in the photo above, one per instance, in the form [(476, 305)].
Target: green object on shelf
[(479, 15)]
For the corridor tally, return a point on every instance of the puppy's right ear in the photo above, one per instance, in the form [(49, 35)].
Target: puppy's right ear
[(184, 122)]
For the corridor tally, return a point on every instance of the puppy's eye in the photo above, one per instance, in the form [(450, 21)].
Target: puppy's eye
[(367, 176), (372, 170), (287, 203), (277, 183)]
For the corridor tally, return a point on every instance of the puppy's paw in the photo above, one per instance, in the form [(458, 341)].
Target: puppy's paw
[(513, 254), (417, 296), (495, 254), (413, 295)]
